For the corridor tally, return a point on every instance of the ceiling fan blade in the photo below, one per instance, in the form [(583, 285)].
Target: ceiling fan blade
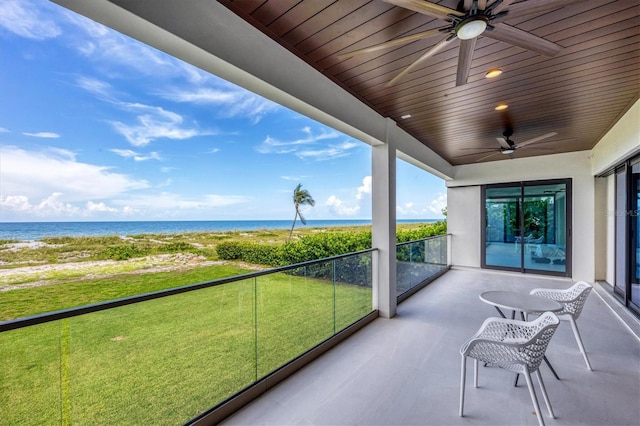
[(537, 148), (533, 6), (392, 43), (467, 47), (539, 138), (520, 38), (488, 156), (476, 153), (482, 4), (503, 143), (500, 7), (466, 5), (426, 8), (435, 49)]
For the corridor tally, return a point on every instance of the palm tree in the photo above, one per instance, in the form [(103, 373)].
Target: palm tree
[(300, 198)]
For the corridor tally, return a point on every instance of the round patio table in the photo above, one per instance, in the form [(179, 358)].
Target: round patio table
[(523, 303)]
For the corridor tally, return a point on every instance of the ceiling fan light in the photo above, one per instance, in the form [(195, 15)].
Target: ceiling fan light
[(508, 151), (471, 27), (501, 107), (492, 73)]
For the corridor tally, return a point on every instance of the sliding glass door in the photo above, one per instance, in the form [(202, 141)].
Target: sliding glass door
[(627, 232), (634, 216), (526, 227)]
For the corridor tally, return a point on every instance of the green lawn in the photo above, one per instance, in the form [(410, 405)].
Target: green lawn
[(84, 291), (166, 360)]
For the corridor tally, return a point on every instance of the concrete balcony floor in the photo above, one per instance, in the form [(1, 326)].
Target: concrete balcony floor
[(406, 370)]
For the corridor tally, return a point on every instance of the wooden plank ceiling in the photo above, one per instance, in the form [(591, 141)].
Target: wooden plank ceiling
[(578, 94)]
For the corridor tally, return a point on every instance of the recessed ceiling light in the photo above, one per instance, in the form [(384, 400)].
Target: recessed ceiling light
[(493, 73), (502, 107), (404, 117)]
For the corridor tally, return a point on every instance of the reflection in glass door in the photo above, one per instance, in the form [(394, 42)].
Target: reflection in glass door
[(627, 234), (634, 215), (526, 227), (621, 233)]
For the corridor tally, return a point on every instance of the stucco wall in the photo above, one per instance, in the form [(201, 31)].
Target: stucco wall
[(463, 199), (463, 222), (620, 143)]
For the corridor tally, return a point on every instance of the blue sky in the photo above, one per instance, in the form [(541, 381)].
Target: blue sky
[(96, 126)]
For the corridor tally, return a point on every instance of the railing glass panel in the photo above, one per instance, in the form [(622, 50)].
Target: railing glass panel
[(166, 357), (163, 360), (418, 261), (295, 313), (30, 375), (353, 289)]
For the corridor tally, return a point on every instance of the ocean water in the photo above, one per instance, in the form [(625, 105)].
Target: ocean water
[(33, 231)]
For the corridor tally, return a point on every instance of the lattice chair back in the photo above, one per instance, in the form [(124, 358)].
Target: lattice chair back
[(572, 300), (513, 345)]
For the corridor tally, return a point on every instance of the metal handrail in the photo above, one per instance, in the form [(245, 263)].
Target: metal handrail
[(422, 239), (81, 310)]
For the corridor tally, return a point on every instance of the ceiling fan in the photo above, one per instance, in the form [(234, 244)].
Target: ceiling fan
[(509, 147), (471, 19)]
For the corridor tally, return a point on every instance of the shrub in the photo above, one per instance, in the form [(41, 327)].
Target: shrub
[(177, 247), (261, 254), (122, 252), (317, 246)]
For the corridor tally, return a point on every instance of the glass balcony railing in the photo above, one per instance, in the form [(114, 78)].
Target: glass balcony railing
[(166, 357), (419, 261)]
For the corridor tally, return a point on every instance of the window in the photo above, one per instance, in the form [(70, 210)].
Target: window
[(526, 227)]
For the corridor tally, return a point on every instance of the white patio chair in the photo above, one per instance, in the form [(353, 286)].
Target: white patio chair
[(572, 300), (513, 345)]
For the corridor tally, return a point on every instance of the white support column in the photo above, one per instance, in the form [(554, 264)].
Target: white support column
[(384, 224)]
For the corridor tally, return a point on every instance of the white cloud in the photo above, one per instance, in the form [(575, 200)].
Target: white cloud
[(154, 123), (309, 146), (236, 102), (327, 153), (4, 130), (438, 204), (38, 174), (294, 178), (410, 209), (18, 203), (338, 207), (99, 207), (109, 47), (24, 20), (365, 188), (97, 87), (127, 153), (356, 200), (46, 135), (166, 201), (52, 207)]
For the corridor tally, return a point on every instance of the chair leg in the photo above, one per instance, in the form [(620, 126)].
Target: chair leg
[(463, 374), (576, 333), (544, 394), (475, 373), (534, 398)]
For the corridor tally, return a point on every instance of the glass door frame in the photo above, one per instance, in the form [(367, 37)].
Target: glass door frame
[(521, 212), (626, 231)]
